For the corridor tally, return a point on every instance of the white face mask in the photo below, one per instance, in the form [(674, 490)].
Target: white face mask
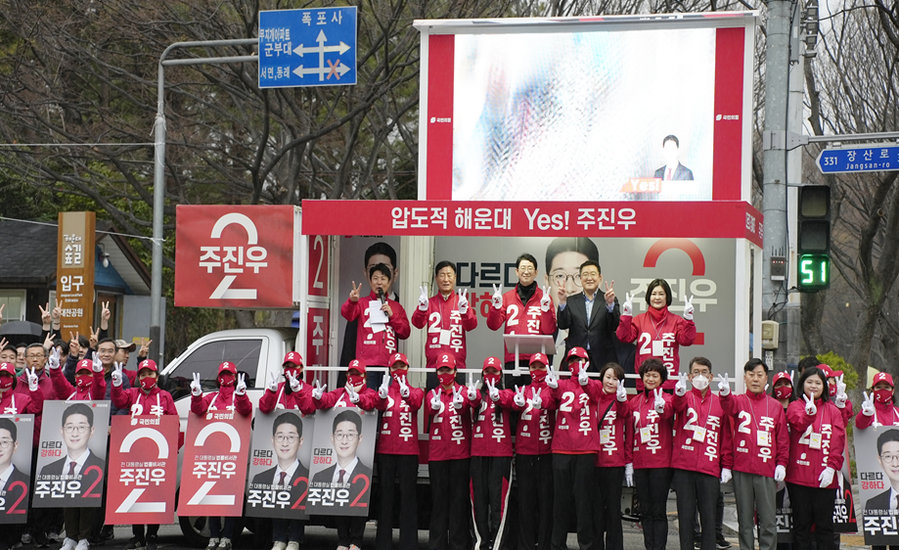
[(700, 383)]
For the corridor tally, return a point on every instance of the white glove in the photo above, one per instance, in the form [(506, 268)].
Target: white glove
[(497, 297), (385, 385), (435, 400), (536, 400), (810, 408), (98, 366), (551, 379), (458, 398), (723, 385), (473, 388), (688, 308), (53, 361), (351, 392), (621, 393), (841, 398), (628, 307), (519, 397), (629, 474), (423, 299), (318, 391), (680, 389), (294, 381), (241, 388), (492, 391), (32, 379), (659, 402), (780, 473), (546, 302), (826, 477), (868, 404), (404, 388), (463, 301), (726, 475), (272, 385), (117, 375), (95, 360), (195, 388)]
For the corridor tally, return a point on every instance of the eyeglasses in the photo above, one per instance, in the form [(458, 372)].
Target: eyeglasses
[(6, 443), (526, 268), (560, 278), (281, 438), (892, 459), (76, 429), (35, 355), (345, 436)]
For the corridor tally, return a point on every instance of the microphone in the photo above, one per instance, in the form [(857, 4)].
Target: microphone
[(381, 295)]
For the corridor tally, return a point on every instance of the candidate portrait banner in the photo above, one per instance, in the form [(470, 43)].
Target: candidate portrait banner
[(282, 444), (214, 472), (144, 452), (877, 463), (343, 450), (71, 463), (16, 437)]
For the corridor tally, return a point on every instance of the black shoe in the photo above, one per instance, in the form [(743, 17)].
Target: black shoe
[(135, 544), (41, 540), (722, 544), (151, 542), (107, 533), (96, 541)]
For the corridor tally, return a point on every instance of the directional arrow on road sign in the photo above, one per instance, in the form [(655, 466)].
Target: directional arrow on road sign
[(874, 157), (341, 49)]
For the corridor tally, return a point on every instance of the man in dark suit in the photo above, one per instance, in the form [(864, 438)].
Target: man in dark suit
[(673, 169), (77, 430), (888, 458), (9, 474), (591, 318), (346, 436)]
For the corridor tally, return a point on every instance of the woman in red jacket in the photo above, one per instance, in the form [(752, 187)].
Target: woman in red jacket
[(651, 415), (614, 454), (817, 436), (658, 332), (879, 408)]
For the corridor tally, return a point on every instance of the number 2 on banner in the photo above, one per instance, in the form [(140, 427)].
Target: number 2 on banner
[(14, 509), (362, 493), (300, 503), (98, 481)]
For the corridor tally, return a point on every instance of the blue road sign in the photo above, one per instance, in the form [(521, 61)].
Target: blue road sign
[(868, 158), (311, 47)]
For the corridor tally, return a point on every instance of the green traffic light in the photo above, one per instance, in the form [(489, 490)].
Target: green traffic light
[(814, 272)]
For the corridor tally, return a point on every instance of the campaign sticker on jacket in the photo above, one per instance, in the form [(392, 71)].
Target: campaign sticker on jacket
[(71, 462), (144, 452), (877, 463), (343, 450), (279, 465), (214, 472), (16, 433)]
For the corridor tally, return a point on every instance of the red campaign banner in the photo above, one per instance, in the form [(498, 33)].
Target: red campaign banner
[(317, 323), (214, 472), (233, 256), (319, 254), (144, 452), (651, 219)]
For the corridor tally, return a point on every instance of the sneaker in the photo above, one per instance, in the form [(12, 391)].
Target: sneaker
[(343, 547), (722, 544), (293, 545), (213, 544), (697, 545), (224, 544), (151, 542), (68, 544), (354, 547), (27, 538), (134, 544), (278, 545), (54, 536), (83, 544)]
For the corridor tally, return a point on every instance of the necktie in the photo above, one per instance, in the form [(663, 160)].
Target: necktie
[(283, 475), (72, 467), (670, 174), (340, 478)]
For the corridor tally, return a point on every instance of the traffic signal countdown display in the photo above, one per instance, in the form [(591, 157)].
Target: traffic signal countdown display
[(813, 272)]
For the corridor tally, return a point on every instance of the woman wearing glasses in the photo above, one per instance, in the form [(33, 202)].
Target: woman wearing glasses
[(817, 436)]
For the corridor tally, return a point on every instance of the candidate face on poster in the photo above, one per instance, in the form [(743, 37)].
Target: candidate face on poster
[(144, 452), (16, 435), (214, 472), (877, 462), (279, 466), (342, 456), (71, 465)]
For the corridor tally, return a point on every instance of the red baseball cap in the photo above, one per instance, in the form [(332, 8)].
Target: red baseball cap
[(293, 357), (826, 370), (357, 365), (228, 366), (780, 376), (576, 352), (84, 364), (8, 368), (539, 358), (399, 358), (492, 362), (147, 364), (882, 377), (446, 360)]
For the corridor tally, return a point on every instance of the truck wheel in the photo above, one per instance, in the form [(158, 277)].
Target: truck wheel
[(195, 530)]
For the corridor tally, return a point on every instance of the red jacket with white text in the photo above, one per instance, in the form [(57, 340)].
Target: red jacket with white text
[(375, 348), (283, 398), (224, 398), (816, 442), (399, 421), (666, 335), (443, 319), (521, 318), (368, 399), (535, 426), (450, 434), (491, 432), (576, 423), (755, 414), (651, 431), (702, 434), (886, 414), (614, 452)]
